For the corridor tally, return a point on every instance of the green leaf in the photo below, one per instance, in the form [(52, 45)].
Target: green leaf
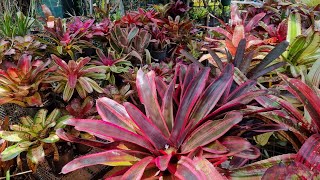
[(132, 34), (61, 120), (40, 117), (51, 139), (36, 154), (94, 85), (26, 121), (67, 92), (14, 150), (60, 49), (294, 26), (262, 139), (14, 136), (53, 116)]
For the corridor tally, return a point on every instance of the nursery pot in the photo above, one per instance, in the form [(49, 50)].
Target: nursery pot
[(159, 54), (225, 2), (82, 149), (65, 155), (89, 52)]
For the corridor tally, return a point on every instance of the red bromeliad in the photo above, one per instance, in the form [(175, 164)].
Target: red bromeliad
[(183, 135)]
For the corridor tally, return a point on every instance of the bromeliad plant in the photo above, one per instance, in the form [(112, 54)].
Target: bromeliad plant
[(27, 45), (238, 30), (305, 128), (304, 45), (66, 40), (36, 136), (130, 40), (112, 65), (180, 136), (21, 84), (76, 75)]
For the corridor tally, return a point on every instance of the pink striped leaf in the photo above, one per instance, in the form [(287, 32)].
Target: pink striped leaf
[(111, 157), (309, 153), (210, 131), (191, 95), (148, 96), (106, 130), (307, 96), (137, 170), (147, 127), (111, 111)]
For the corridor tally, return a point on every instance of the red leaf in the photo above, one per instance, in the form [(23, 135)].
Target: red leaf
[(108, 130), (25, 63), (162, 162), (210, 131), (106, 157), (148, 96), (137, 170), (309, 153), (307, 96), (111, 111), (62, 64), (150, 131), (190, 97)]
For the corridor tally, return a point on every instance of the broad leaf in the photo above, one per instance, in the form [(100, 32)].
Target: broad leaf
[(210, 131), (148, 96), (137, 170), (258, 168), (309, 153), (108, 130), (111, 158), (191, 95), (150, 131)]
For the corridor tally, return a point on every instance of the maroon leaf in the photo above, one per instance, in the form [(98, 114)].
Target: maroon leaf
[(278, 172), (306, 95), (154, 135), (106, 130), (211, 95), (258, 168), (309, 153), (210, 131), (167, 105), (193, 92), (111, 111), (148, 96), (162, 162)]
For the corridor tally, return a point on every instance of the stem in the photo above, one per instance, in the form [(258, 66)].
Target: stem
[(18, 174)]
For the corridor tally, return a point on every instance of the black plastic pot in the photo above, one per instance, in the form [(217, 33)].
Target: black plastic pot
[(225, 2), (160, 55), (66, 155)]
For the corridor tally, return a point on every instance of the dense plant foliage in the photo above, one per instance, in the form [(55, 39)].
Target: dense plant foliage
[(159, 96)]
